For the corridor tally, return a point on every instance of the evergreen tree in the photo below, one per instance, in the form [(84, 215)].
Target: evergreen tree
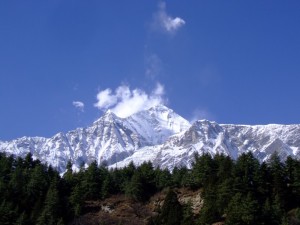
[(209, 212), (134, 188), (204, 170), (28, 161), (242, 210), (51, 211), (91, 182), (163, 178), (7, 213), (142, 184), (224, 193), (36, 190), (278, 179), (77, 199), (178, 176), (107, 186), (224, 165), (171, 212), (187, 215), (293, 182), (245, 173)]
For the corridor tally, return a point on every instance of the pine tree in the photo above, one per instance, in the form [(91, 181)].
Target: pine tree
[(51, 212), (171, 212), (77, 199), (69, 173), (134, 188), (7, 213), (224, 165), (204, 170), (209, 212), (163, 178), (187, 215), (91, 182), (245, 172), (278, 179), (107, 186), (224, 193), (178, 176), (242, 210)]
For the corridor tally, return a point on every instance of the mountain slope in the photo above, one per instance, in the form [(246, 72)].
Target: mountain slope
[(159, 135), (233, 140), (108, 140)]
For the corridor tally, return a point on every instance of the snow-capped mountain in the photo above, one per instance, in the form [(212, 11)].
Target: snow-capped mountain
[(209, 137), (159, 135), (108, 140)]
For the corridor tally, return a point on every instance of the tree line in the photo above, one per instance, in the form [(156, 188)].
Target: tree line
[(241, 191)]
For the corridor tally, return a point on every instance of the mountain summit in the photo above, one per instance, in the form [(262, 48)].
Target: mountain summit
[(108, 140), (159, 135)]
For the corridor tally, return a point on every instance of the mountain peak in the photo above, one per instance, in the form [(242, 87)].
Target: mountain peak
[(107, 116), (109, 113), (159, 107), (157, 134)]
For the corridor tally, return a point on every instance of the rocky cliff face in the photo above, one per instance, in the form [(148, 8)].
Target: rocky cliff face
[(209, 137), (159, 135)]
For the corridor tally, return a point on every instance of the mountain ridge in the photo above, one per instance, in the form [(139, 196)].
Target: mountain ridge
[(159, 135)]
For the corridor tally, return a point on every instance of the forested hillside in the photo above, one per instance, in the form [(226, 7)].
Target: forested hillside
[(233, 192)]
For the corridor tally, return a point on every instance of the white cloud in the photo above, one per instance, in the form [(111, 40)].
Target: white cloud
[(125, 102), (159, 90), (105, 99), (79, 105), (165, 21)]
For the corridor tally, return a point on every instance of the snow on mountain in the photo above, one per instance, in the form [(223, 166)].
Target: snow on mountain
[(209, 137), (263, 140), (157, 124), (158, 135), (108, 140)]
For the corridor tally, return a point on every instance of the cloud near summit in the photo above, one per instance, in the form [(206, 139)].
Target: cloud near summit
[(124, 102)]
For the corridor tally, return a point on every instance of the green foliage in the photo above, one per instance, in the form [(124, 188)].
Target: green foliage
[(92, 182), (77, 199), (235, 192), (209, 212), (204, 170), (142, 183), (242, 210), (245, 172), (179, 176), (187, 215), (134, 187), (163, 178), (51, 212), (7, 213), (171, 212)]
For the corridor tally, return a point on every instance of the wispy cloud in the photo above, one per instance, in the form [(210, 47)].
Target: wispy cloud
[(124, 102), (79, 105), (165, 22), (154, 66)]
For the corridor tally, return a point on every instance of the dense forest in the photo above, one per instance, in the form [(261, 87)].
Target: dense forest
[(241, 191)]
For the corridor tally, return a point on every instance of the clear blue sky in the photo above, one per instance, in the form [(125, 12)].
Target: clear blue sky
[(228, 61)]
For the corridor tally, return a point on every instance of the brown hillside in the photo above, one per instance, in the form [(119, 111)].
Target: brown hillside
[(119, 209)]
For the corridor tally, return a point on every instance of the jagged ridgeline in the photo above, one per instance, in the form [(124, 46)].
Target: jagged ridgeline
[(158, 135), (215, 190)]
